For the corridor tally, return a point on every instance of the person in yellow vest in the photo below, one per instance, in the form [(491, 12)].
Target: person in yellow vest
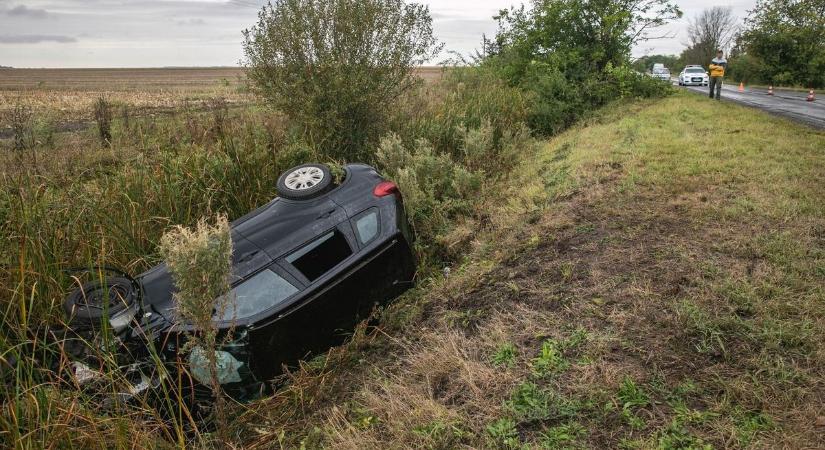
[(717, 72)]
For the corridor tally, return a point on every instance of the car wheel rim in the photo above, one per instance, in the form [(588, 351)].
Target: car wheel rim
[(304, 178)]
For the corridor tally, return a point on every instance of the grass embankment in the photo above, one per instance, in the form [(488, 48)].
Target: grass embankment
[(654, 277)]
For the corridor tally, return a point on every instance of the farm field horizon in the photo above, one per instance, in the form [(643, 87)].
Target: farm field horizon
[(64, 97)]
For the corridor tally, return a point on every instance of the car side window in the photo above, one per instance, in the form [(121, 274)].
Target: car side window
[(321, 255), (257, 294), (367, 226)]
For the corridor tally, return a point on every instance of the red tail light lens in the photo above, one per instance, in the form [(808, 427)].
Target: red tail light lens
[(385, 188)]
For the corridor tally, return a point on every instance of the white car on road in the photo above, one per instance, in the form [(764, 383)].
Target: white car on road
[(693, 76), (662, 73)]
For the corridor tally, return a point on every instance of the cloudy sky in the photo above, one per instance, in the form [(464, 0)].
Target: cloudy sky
[(156, 33)]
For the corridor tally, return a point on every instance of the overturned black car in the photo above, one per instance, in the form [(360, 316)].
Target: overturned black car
[(307, 267)]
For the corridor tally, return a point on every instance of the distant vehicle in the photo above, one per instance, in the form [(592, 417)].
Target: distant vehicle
[(307, 267), (662, 73), (657, 66), (693, 76)]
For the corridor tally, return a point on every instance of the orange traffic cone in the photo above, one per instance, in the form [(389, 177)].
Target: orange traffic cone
[(770, 90), (741, 87), (810, 96)]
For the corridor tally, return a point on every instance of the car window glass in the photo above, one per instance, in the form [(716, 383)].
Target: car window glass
[(321, 255), (367, 227), (257, 294)]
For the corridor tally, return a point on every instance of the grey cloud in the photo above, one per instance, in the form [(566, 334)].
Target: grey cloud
[(193, 21), (25, 11), (35, 39)]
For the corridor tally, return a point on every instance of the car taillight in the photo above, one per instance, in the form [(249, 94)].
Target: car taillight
[(385, 188)]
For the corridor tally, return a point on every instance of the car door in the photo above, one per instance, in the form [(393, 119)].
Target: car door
[(387, 265), (324, 312)]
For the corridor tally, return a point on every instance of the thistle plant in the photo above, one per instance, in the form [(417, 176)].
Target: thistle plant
[(200, 261)]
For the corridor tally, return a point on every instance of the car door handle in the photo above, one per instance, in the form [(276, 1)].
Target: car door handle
[(326, 214), (247, 257)]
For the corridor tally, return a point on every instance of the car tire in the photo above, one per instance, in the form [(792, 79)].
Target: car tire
[(85, 306), (305, 182)]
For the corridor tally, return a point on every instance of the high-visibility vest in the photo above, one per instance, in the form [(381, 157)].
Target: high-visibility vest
[(717, 71), (717, 67)]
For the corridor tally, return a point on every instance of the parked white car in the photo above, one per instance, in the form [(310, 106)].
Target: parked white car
[(693, 76)]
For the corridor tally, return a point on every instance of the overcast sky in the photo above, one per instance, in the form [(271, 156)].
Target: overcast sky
[(155, 33)]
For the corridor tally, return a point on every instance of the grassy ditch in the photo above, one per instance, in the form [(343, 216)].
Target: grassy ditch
[(652, 278), (79, 201)]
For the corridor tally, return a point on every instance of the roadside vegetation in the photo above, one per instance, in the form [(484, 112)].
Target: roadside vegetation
[(625, 284), (633, 288)]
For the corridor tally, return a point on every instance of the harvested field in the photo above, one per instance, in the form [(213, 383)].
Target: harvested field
[(63, 98)]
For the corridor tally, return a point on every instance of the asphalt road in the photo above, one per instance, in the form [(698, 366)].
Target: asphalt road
[(790, 104)]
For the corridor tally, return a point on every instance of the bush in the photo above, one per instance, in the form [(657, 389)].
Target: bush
[(335, 67), (625, 82), (436, 189), (103, 117)]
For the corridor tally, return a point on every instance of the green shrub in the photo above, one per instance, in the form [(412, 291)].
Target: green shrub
[(746, 68), (628, 83), (336, 67), (436, 189)]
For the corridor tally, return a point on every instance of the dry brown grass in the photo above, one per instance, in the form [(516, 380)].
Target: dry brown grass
[(69, 94), (64, 98)]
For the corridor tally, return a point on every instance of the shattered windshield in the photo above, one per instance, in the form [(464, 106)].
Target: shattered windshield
[(257, 294)]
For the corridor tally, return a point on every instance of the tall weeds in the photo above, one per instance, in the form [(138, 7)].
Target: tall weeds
[(22, 127), (49, 222), (200, 261), (103, 117)]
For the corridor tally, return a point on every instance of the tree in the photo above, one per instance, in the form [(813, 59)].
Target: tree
[(574, 54), (713, 29), (787, 38), (595, 33), (334, 67)]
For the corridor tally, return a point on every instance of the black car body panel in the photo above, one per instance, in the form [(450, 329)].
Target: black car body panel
[(328, 262)]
